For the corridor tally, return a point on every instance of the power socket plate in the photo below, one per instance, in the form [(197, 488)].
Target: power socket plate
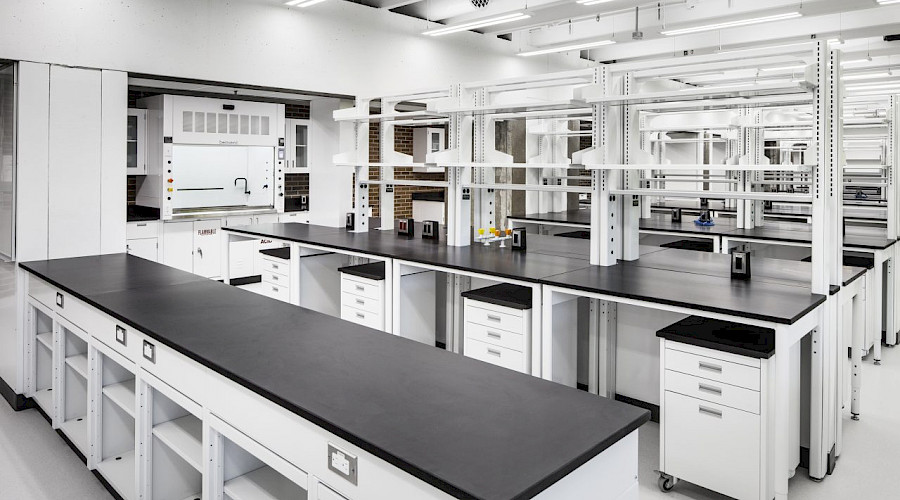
[(342, 463)]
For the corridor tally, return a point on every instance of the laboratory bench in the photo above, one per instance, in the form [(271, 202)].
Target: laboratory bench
[(214, 376), (555, 271)]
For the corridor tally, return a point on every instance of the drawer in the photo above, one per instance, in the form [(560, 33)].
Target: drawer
[(362, 303), (712, 445), (500, 356), (276, 279), (118, 336), (495, 336), (276, 266), (494, 319), (713, 369), (714, 392), (360, 317), (282, 293), (141, 230), (42, 291), (360, 286), (326, 493)]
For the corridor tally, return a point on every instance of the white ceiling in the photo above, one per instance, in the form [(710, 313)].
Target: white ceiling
[(561, 22)]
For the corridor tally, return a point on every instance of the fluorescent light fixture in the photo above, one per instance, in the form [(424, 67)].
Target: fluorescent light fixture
[(868, 76), (593, 2), (873, 86), (857, 61), (887, 2), (731, 24), (491, 21), (796, 67), (302, 3), (566, 48)]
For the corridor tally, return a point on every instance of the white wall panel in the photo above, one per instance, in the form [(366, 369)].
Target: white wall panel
[(331, 189), (75, 131), (32, 161), (113, 197), (336, 47)]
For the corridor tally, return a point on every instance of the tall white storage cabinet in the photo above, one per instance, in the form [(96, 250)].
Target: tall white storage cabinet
[(74, 146)]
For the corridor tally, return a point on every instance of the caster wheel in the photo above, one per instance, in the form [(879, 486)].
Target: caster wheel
[(666, 483), (854, 418)]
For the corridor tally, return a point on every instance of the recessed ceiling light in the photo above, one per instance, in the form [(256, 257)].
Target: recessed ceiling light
[(491, 21), (566, 48), (593, 2), (302, 3), (785, 68), (732, 24)]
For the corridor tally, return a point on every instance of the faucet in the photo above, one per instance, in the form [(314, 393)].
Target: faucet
[(246, 187)]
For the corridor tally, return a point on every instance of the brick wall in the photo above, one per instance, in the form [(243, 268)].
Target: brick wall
[(296, 185), (132, 189), (403, 143)]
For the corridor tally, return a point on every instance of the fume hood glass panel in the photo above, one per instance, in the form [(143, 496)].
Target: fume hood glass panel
[(221, 176)]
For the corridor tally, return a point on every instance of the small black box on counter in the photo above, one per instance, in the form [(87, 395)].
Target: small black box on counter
[(351, 221), (430, 230), (406, 227)]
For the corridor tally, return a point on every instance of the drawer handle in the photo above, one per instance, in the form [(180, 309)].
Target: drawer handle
[(494, 352), (360, 315), (274, 266), (709, 367), (361, 302), (275, 278), (142, 225), (60, 300), (710, 389), (361, 288), (149, 352), (709, 411), (494, 318), (274, 289), (493, 335)]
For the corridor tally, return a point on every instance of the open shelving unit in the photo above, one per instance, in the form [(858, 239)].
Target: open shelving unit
[(115, 423), (170, 441), (73, 396), (42, 370)]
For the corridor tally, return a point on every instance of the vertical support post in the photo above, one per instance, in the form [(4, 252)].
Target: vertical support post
[(483, 139), (459, 197), (213, 463), (143, 437), (604, 228), (361, 186), (94, 407), (386, 173), (631, 205), (602, 354)]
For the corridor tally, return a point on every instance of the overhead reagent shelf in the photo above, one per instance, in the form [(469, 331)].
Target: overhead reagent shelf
[(594, 94)]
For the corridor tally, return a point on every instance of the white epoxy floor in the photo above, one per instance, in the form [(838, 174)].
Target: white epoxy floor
[(35, 464)]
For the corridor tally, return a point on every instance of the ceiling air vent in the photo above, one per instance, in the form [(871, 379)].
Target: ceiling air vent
[(480, 4)]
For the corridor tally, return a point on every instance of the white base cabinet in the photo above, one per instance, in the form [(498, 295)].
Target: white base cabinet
[(142, 239), (362, 301), (715, 419), (194, 246), (496, 334)]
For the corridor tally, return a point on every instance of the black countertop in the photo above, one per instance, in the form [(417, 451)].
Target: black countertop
[(756, 299), (564, 262), (743, 340), (867, 238), (469, 428), (372, 271), (504, 294)]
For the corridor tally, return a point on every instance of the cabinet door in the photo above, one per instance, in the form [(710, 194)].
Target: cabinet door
[(207, 248), (136, 134), (74, 191), (178, 245), (143, 248), (297, 145)]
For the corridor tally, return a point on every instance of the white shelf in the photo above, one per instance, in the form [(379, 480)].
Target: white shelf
[(120, 474), (77, 433), (263, 484), (559, 105), (122, 394), (46, 339), (694, 166), (44, 399), (728, 195), (702, 94), (407, 182), (183, 436), (342, 116), (531, 187), (379, 165), (78, 363)]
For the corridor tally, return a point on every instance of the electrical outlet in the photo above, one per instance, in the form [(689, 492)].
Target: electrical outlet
[(342, 463)]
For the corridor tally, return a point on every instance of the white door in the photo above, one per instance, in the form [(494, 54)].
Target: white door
[(75, 131), (297, 145), (178, 245), (143, 248), (207, 248)]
